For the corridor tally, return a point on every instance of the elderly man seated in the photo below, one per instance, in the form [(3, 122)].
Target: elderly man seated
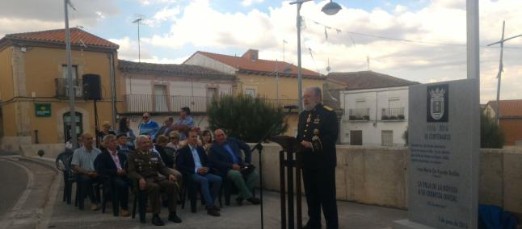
[(146, 167), (110, 165), (83, 165)]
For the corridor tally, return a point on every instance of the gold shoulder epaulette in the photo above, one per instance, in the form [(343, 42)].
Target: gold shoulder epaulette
[(328, 108)]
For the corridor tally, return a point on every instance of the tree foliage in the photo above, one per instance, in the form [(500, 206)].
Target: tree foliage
[(246, 117), (491, 135)]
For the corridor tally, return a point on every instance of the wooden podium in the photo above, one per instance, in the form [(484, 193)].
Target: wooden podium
[(290, 211)]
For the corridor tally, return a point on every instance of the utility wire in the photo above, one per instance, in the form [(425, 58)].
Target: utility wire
[(326, 27)]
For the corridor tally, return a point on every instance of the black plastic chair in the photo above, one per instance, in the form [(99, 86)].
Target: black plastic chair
[(140, 201), (80, 195), (227, 189), (190, 189), (108, 191), (63, 163)]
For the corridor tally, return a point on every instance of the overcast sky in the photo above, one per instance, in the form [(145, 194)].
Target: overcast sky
[(418, 40)]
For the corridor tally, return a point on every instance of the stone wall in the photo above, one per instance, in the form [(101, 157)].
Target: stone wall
[(379, 175)]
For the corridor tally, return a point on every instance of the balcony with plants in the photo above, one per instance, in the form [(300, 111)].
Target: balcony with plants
[(393, 114), (359, 114)]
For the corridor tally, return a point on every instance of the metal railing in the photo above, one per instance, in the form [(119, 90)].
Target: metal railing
[(359, 114), (393, 113), (62, 88), (162, 103)]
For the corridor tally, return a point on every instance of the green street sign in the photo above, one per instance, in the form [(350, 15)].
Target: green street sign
[(42, 109)]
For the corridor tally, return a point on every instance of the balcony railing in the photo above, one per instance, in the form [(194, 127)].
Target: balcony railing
[(162, 103), (62, 88), (359, 114), (391, 114)]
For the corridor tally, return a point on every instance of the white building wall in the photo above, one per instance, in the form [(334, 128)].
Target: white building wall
[(176, 88), (202, 60), (375, 100), (180, 92)]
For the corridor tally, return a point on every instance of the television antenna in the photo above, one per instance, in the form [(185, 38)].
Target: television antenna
[(138, 21), (501, 66)]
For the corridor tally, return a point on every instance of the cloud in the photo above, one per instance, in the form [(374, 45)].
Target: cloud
[(34, 15), (423, 41), (250, 2)]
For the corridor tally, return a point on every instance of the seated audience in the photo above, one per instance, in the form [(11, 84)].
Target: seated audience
[(225, 157), (110, 165), (124, 128), (83, 165), (123, 145), (161, 147), (193, 163), (206, 140), (146, 167)]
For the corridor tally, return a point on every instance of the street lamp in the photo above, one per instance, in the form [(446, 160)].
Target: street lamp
[(331, 8)]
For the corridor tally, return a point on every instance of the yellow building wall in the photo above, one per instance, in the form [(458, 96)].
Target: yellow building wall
[(34, 73), (6, 91), (268, 86), (6, 71)]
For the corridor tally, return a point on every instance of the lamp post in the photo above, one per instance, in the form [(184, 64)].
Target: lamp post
[(330, 8), (70, 80)]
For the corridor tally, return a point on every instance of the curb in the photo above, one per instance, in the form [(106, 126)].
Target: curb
[(41, 161)]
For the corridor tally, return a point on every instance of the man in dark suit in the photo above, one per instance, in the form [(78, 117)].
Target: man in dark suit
[(317, 132), (110, 165), (192, 161), (225, 157)]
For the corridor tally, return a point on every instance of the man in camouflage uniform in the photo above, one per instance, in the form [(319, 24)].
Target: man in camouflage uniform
[(146, 167)]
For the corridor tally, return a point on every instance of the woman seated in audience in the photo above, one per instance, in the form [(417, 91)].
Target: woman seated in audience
[(161, 145), (174, 140), (206, 140)]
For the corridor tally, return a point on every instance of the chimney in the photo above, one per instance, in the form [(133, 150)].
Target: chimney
[(251, 54)]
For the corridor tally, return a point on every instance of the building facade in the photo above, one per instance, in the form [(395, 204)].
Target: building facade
[(375, 108), (510, 119), (163, 89), (275, 81), (34, 100)]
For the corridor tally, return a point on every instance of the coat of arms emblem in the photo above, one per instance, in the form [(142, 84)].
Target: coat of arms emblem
[(438, 103)]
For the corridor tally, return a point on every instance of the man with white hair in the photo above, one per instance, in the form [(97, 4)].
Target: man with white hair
[(145, 166), (317, 132)]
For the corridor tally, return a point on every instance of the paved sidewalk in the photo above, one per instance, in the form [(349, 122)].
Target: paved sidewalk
[(351, 215)]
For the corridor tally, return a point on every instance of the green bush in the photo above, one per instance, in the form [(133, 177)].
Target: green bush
[(246, 117), (491, 135)]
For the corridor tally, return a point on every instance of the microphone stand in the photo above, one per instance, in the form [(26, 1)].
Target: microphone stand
[(259, 148)]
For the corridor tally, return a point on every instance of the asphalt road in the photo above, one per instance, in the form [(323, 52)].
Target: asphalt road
[(13, 182), (27, 192), (31, 197)]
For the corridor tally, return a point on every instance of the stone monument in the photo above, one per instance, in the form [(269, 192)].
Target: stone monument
[(444, 139)]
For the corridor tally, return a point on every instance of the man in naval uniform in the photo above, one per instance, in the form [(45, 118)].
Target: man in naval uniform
[(317, 133)]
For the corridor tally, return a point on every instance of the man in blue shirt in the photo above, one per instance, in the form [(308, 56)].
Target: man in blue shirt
[(192, 161), (184, 123), (148, 126)]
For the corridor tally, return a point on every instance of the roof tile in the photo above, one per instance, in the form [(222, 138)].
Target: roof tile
[(172, 70), (247, 64), (367, 80), (508, 108), (78, 38)]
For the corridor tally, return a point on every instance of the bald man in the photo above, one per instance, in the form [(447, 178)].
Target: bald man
[(83, 164), (225, 157)]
